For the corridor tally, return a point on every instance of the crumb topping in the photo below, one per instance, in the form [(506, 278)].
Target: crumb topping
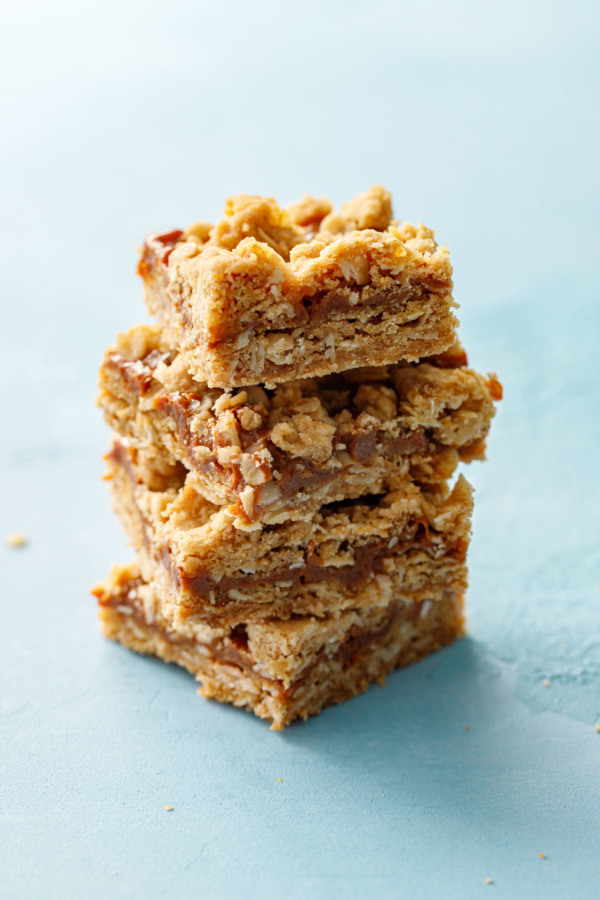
[(304, 436), (138, 342), (248, 216), (304, 248), (310, 211), (373, 209)]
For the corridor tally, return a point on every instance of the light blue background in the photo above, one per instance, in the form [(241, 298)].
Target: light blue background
[(483, 118)]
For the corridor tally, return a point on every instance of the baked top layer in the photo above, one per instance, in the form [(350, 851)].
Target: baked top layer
[(407, 543), (269, 295), (279, 669), (273, 455)]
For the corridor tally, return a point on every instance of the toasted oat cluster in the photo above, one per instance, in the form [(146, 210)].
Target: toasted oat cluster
[(284, 440)]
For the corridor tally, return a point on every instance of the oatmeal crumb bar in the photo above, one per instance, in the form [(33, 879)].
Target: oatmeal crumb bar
[(280, 670), (410, 543), (274, 455), (269, 295)]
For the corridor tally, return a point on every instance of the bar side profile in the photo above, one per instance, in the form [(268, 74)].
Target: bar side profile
[(328, 664), (362, 552), (268, 295)]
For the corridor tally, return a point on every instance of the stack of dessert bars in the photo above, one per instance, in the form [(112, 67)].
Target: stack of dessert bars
[(285, 440)]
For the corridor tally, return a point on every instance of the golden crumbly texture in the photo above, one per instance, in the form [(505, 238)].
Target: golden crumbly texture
[(307, 222), (268, 294), (282, 454), (279, 670), (407, 543)]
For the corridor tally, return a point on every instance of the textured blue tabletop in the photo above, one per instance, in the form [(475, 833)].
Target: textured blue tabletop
[(121, 117)]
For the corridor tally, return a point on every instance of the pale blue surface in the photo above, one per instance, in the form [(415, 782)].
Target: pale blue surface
[(483, 120)]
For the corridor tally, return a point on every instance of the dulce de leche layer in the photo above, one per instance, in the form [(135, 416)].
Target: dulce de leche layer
[(273, 455), (279, 669), (406, 543)]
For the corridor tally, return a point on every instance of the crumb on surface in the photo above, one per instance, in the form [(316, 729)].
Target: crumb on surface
[(542, 855), (15, 540), (546, 682), (467, 727), (598, 728), (280, 780), (168, 808), (488, 881)]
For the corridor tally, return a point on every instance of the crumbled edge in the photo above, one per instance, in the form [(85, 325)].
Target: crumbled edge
[(258, 231), (261, 218)]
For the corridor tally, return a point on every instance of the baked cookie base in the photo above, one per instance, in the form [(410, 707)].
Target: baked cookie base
[(281, 670)]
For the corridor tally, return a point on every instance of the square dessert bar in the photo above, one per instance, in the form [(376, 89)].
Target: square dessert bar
[(280, 670), (409, 543), (282, 454), (269, 295)]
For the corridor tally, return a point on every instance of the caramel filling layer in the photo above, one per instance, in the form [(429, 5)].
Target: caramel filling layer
[(369, 558), (234, 650), (297, 475), (309, 310)]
